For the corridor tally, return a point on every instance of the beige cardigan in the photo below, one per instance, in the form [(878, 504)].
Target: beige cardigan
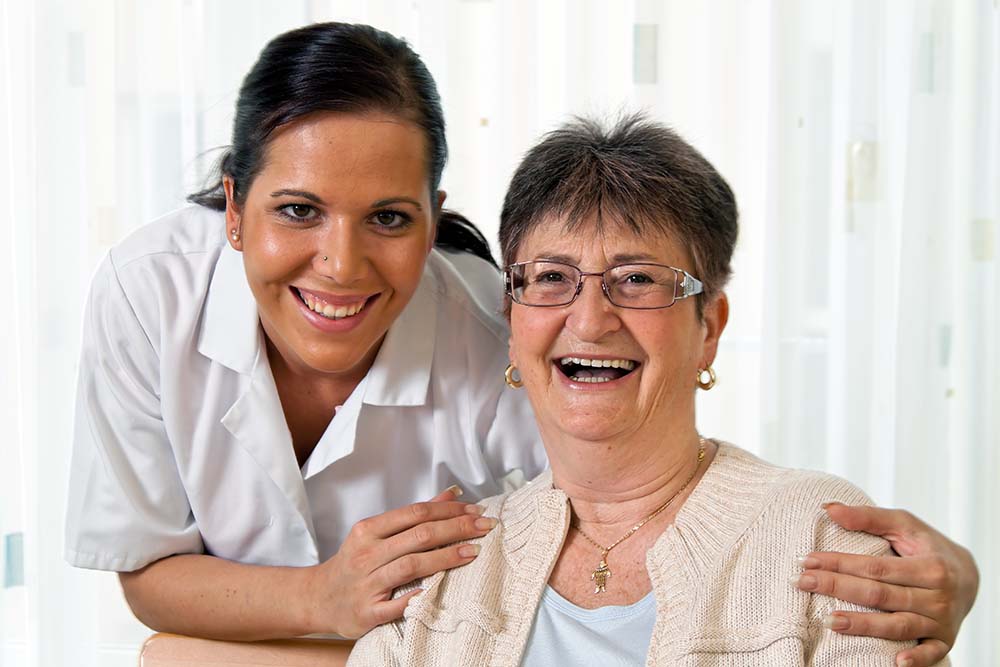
[(720, 575)]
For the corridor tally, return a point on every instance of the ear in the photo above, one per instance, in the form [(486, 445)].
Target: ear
[(234, 216), (716, 315)]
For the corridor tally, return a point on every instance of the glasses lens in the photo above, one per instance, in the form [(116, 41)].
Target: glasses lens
[(642, 285), (543, 283)]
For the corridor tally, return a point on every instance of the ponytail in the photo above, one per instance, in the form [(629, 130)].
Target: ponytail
[(457, 234)]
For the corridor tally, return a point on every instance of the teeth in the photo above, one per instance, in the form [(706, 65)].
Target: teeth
[(592, 380), (626, 364), (328, 310)]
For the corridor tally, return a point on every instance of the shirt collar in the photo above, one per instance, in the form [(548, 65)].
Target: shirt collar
[(230, 331), (400, 374)]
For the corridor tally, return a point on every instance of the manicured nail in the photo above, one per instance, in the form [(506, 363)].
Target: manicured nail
[(468, 550), (455, 489), (805, 582), (485, 523), (807, 562), (832, 622), (474, 509), (904, 662)]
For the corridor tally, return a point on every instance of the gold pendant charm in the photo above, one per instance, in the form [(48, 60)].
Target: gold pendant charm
[(600, 576)]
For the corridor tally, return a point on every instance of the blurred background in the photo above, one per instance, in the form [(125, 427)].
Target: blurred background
[(862, 139)]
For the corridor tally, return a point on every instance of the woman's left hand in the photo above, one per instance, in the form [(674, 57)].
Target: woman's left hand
[(927, 593)]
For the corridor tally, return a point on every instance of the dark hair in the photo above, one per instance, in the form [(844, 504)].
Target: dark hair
[(337, 67), (637, 173)]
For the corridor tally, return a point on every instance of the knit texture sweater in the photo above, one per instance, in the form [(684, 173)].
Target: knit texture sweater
[(720, 576)]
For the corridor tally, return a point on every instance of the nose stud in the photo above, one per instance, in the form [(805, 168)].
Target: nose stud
[(324, 258)]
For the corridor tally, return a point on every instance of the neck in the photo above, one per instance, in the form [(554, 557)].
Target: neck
[(293, 380), (612, 485)]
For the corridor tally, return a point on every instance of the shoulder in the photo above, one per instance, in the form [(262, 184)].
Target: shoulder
[(169, 261), (162, 271), (781, 503), (471, 336), (190, 230), (734, 466), (471, 288)]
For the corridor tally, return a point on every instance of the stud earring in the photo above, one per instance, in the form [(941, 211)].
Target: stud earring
[(508, 376), (706, 384), (235, 234)]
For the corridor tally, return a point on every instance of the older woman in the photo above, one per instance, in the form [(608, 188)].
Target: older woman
[(646, 543)]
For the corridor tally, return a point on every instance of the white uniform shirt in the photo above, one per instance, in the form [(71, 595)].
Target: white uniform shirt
[(181, 445)]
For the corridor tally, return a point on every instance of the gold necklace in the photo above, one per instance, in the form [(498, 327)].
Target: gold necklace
[(601, 575)]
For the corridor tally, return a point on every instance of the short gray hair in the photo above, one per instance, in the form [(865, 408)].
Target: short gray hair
[(637, 173)]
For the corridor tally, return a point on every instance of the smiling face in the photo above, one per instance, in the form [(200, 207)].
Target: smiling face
[(594, 371), (334, 233)]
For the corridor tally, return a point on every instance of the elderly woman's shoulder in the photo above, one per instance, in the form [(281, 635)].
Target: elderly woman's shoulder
[(787, 503), (777, 481)]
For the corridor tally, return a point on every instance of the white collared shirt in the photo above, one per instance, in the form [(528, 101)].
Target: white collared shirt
[(181, 445)]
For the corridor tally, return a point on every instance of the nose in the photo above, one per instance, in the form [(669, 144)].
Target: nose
[(592, 316), (341, 254)]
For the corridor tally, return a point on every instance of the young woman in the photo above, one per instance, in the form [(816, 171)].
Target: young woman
[(272, 380)]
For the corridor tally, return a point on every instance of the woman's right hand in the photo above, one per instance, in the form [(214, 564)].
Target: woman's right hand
[(352, 591)]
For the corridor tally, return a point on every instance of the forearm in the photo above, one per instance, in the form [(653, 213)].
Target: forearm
[(210, 597)]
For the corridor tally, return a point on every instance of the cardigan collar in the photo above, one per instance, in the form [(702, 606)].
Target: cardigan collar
[(715, 515)]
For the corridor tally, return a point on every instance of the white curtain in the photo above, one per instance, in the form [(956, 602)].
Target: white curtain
[(862, 138)]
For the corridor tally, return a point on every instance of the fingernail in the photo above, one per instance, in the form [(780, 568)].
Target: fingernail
[(468, 550), (455, 489), (474, 509), (904, 662), (807, 562), (485, 523), (805, 582), (832, 622)]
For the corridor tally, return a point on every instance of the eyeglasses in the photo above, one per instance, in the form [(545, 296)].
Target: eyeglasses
[(642, 286)]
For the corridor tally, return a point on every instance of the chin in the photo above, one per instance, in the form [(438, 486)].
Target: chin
[(589, 427)]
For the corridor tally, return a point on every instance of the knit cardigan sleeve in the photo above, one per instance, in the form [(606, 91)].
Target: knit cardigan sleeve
[(826, 648)]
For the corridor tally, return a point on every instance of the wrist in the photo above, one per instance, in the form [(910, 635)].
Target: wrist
[(307, 610)]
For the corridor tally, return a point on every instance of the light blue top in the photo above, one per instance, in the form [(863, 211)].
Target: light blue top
[(564, 634)]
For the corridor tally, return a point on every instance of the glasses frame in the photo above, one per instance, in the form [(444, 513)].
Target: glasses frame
[(688, 284)]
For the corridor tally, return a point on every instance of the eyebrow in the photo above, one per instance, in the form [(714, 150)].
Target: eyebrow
[(639, 257), (297, 193), (563, 259), (317, 200), (398, 200), (615, 260)]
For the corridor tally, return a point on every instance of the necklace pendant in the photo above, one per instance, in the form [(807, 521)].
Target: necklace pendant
[(600, 576)]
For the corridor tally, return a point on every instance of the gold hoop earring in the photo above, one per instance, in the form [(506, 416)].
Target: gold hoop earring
[(706, 385), (508, 376)]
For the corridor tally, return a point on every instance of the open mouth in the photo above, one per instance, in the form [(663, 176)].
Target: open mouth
[(583, 369), (329, 310)]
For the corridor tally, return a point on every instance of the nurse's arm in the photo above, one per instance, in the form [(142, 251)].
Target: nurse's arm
[(349, 594), (205, 596)]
